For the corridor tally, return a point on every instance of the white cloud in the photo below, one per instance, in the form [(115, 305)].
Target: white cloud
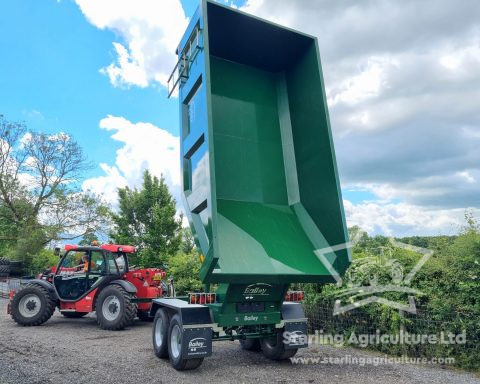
[(145, 146), (403, 100), (150, 31), (367, 83), (25, 139), (401, 219)]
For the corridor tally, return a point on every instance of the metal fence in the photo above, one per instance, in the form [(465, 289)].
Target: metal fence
[(6, 285), (452, 334)]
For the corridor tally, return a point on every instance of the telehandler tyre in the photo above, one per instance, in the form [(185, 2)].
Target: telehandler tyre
[(32, 305), (115, 308)]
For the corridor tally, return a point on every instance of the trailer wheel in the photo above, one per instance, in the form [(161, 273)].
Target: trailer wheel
[(160, 333), (273, 347), (175, 347), (114, 308), (32, 305), (74, 315), (251, 345)]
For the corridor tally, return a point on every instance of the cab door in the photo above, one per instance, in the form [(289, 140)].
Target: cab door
[(70, 280)]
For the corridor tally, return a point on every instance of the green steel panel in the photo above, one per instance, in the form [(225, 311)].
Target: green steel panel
[(260, 183)]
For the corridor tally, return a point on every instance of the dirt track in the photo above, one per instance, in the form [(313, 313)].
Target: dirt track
[(77, 351)]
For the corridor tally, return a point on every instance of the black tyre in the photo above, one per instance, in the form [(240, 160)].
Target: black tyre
[(144, 316), (5, 269), (251, 345), (4, 261), (114, 308), (175, 347), (32, 305), (74, 315), (16, 268), (273, 347), (160, 333)]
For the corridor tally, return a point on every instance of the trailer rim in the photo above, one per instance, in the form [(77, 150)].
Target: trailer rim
[(176, 341), (158, 339)]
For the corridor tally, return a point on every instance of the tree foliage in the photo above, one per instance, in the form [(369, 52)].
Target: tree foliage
[(40, 195), (147, 218), (185, 268), (449, 282)]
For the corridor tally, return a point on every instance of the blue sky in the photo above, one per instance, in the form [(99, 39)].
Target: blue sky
[(50, 77), (403, 101)]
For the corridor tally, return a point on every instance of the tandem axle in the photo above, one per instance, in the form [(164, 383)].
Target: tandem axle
[(184, 332)]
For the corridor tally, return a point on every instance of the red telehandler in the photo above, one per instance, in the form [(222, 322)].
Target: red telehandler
[(90, 279)]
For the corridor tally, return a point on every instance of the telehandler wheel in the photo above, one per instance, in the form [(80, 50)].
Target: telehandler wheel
[(33, 305), (114, 308), (175, 347), (251, 345), (74, 315), (160, 333), (273, 347)]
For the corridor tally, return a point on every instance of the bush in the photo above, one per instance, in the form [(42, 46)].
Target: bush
[(185, 268), (43, 260), (449, 281)]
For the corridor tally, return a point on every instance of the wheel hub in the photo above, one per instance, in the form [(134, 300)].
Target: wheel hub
[(158, 332), (176, 341), (111, 308), (29, 305)]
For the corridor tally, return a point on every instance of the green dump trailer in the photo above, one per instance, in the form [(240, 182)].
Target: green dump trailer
[(260, 186)]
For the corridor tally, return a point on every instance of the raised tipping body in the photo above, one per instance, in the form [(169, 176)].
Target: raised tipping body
[(260, 184), (260, 181)]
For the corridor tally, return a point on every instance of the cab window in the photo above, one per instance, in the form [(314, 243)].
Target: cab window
[(97, 263), (112, 265), (120, 260), (73, 261)]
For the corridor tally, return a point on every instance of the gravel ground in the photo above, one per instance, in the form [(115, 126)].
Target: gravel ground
[(77, 351)]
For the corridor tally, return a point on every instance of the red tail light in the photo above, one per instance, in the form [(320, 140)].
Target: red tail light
[(202, 298), (294, 296)]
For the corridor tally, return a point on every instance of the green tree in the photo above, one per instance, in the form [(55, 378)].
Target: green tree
[(88, 239), (188, 243), (146, 218), (185, 268), (40, 193)]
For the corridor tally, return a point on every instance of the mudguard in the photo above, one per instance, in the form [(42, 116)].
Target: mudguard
[(126, 285), (296, 329), (45, 284)]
